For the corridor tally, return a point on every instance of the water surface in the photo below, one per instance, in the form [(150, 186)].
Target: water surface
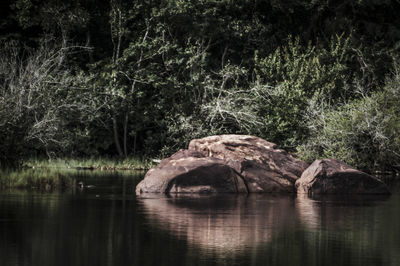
[(109, 225)]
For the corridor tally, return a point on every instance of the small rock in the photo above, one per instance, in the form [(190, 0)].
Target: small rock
[(330, 176)]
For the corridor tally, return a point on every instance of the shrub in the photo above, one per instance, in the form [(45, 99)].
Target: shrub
[(287, 79), (41, 101), (363, 132)]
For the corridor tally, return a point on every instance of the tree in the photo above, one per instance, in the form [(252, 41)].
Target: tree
[(293, 75), (43, 104)]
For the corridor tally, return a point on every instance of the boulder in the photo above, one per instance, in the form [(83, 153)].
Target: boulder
[(263, 167), (329, 176), (190, 172)]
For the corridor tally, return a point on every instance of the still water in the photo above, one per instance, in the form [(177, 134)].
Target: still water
[(109, 225)]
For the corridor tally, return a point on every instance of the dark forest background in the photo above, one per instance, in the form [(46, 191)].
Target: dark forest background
[(84, 78)]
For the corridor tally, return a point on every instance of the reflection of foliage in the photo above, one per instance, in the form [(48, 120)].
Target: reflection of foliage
[(43, 179), (55, 175)]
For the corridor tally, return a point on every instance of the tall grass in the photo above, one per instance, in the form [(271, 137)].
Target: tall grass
[(101, 163)]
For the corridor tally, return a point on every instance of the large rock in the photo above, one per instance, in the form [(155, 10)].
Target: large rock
[(191, 172), (263, 167), (331, 176)]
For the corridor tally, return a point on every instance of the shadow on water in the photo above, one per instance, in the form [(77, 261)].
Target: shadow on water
[(108, 225)]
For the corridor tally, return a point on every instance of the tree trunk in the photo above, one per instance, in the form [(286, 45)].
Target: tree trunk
[(116, 139), (134, 144), (125, 135)]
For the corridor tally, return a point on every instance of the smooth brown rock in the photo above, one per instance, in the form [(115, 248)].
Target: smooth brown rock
[(179, 155), (189, 172), (263, 167), (329, 176)]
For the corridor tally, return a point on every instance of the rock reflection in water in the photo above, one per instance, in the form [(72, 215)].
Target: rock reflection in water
[(330, 211), (226, 223)]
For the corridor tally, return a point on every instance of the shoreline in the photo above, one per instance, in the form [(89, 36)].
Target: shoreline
[(40, 174)]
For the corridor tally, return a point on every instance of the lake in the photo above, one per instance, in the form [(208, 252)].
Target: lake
[(108, 225)]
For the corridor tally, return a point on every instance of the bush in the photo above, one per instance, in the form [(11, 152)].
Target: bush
[(43, 104), (364, 133), (226, 107), (290, 77), (274, 106)]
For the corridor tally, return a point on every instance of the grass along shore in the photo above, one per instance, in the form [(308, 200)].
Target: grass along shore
[(101, 163)]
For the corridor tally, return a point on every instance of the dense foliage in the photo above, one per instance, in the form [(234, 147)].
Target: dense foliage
[(128, 78)]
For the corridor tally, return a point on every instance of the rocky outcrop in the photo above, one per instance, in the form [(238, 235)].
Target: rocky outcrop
[(190, 172), (331, 176), (263, 166), (248, 164), (226, 163)]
